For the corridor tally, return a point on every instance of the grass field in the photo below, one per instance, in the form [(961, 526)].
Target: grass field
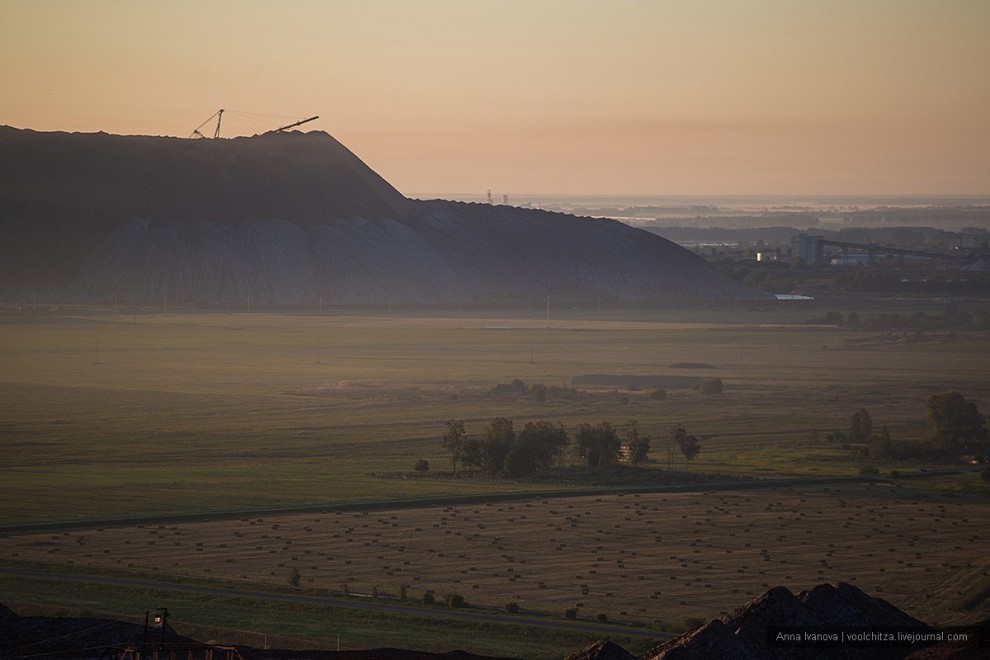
[(105, 416), (264, 624)]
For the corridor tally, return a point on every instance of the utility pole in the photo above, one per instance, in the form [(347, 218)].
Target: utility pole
[(548, 311), (164, 620)]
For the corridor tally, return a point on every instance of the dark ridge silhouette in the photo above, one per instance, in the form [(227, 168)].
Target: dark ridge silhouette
[(291, 218), (603, 649), (79, 637), (62, 194), (742, 634)]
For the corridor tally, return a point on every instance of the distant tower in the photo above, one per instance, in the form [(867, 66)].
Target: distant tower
[(505, 200), (490, 196), (808, 248)]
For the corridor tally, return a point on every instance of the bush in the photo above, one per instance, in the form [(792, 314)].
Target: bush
[(658, 394), (711, 386), (895, 474), (422, 465), (570, 614), (512, 608), (456, 600), (869, 469), (429, 598), (985, 473), (601, 617), (957, 423), (693, 622)]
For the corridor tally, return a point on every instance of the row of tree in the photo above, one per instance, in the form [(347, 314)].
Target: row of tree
[(957, 427), (542, 445), (953, 318)]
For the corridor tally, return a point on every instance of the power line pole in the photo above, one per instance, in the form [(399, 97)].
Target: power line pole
[(164, 619)]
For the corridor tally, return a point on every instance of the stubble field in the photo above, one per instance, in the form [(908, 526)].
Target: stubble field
[(650, 558)]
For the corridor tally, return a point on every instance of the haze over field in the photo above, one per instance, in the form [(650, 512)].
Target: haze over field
[(629, 97)]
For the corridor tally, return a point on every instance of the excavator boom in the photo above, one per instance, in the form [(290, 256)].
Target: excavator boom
[(293, 125)]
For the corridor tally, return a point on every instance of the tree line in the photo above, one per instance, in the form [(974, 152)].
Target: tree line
[(952, 318), (957, 427), (539, 447)]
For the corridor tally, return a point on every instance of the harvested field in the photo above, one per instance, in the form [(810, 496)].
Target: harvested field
[(642, 557)]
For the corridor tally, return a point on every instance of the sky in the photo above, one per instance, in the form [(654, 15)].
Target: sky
[(555, 97)]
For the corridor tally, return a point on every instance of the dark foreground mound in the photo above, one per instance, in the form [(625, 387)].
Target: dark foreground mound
[(750, 632), (67, 637), (293, 218), (760, 630)]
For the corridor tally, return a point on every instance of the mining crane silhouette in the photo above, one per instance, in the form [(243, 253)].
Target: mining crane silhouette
[(219, 116), (294, 124)]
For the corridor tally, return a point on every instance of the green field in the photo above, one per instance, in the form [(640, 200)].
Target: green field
[(143, 415)]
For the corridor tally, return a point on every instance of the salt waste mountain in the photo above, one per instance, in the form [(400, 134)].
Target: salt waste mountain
[(291, 218)]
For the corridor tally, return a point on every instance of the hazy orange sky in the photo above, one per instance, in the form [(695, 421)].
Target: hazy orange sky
[(540, 96)]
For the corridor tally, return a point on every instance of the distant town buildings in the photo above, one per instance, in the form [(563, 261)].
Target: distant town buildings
[(491, 198)]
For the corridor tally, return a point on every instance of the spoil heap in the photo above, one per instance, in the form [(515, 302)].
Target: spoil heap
[(295, 218)]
